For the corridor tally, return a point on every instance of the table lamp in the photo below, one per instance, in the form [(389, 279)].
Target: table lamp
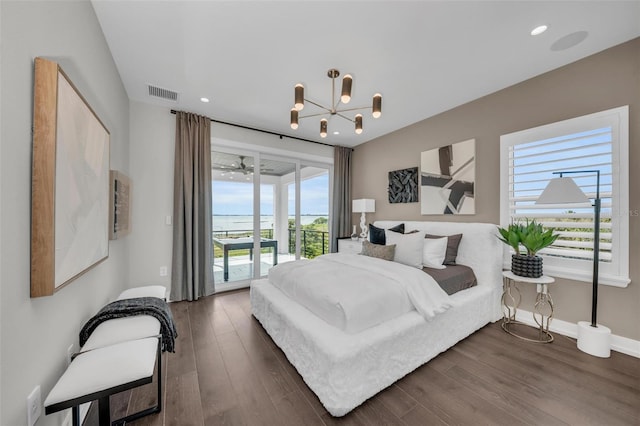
[(364, 205)]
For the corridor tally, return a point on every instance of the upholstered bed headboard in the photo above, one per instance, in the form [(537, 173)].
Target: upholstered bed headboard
[(479, 248)]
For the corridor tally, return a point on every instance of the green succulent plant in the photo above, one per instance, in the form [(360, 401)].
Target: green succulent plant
[(532, 236), (511, 236)]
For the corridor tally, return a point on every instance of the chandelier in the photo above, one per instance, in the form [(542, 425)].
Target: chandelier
[(333, 110)]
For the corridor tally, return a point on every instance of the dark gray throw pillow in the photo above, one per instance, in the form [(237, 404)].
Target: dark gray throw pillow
[(379, 251), (453, 241), (377, 236)]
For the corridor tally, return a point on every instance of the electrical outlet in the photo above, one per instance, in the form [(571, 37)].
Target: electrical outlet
[(163, 271), (168, 220), (34, 406), (69, 354)]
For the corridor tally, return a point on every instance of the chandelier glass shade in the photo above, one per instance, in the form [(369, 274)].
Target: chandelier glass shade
[(335, 108)]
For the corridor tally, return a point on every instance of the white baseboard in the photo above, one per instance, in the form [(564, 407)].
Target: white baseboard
[(618, 343)]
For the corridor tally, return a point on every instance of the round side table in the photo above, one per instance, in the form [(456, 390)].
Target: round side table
[(543, 308)]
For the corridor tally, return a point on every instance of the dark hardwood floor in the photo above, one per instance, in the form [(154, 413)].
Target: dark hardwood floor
[(227, 371)]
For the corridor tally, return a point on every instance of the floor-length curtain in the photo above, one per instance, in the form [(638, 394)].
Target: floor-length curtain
[(341, 211), (192, 263)]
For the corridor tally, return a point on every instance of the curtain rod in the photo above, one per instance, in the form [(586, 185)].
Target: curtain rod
[(173, 111)]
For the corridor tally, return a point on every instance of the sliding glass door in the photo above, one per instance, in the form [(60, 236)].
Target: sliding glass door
[(264, 215), (233, 216), (313, 231)]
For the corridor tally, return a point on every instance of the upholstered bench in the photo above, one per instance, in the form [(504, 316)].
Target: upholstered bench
[(119, 355)]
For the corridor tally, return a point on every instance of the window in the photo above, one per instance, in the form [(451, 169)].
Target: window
[(597, 141)]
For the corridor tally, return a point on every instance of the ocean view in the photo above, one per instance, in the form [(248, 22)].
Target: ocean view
[(237, 222)]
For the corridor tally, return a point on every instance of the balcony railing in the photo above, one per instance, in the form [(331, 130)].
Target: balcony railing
[(312, 243)]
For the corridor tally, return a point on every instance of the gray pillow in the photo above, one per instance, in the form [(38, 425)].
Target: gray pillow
[(453, 241), (379, 251)]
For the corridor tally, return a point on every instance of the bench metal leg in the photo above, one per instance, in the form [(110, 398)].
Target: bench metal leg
[(75, 415), (104, 411), (151, 410)]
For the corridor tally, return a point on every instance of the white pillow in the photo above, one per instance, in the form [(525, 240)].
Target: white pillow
[(408, 247), (434, 251)]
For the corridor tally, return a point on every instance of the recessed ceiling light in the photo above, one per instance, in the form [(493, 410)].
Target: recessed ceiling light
[(336, 132), (538, 30), (205, 100)]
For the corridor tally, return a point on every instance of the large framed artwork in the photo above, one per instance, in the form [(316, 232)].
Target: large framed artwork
[(447, 179), (403, 186), (70, 183)]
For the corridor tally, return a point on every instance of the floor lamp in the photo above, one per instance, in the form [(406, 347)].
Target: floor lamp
[(364, 205), (593, 339)]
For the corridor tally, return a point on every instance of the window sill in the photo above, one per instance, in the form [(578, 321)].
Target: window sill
[(576, 275)]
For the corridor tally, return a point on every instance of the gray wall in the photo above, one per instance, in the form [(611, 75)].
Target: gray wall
[(37, 332), (152, 153), (606, 80)]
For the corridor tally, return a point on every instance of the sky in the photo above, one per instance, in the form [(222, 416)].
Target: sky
[(236, 198)]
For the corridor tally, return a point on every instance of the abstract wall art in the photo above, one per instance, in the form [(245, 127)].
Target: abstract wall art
[(403, 186), (70, 183), (447, 179), (119, 205)]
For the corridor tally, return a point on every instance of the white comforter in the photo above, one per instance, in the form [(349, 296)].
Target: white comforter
[(354, 292)]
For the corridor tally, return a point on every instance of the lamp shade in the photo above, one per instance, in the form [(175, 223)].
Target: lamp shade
[(323, 128), (345, 97), (377, 105), (299, 97), (562, 190), (358, 120), (364, 205), (294, 118)]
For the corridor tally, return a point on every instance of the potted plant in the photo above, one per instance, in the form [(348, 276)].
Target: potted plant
[(533, 237)]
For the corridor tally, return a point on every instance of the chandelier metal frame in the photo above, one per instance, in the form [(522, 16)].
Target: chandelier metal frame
[(334, 110)]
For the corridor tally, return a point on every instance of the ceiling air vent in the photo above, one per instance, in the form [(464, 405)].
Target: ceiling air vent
[(159, 92)]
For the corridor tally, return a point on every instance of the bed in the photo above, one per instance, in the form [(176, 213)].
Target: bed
[(343, 368)]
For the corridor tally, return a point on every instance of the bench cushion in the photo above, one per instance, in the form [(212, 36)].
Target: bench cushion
[(130, 328), (146, 291), (105, 368), (121, 330)]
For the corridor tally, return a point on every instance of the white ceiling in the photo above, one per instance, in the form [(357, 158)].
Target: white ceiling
[(424, 57)]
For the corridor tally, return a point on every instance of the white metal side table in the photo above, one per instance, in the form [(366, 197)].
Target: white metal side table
[(542, 310)]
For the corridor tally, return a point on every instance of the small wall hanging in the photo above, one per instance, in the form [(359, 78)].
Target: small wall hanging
[(120, 205), (403, 186)]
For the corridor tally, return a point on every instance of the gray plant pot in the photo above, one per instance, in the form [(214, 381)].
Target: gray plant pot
[(526, 266)]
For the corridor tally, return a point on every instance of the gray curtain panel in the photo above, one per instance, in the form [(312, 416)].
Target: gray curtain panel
[(192, 264), (341, 211)]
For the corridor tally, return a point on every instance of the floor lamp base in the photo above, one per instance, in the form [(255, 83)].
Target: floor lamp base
[(595, 341)]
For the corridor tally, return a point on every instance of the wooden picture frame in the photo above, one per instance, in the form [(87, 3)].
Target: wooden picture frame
[(70, 183), (119, 205)]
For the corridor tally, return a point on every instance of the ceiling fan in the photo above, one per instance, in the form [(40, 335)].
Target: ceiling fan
[(240, 167)]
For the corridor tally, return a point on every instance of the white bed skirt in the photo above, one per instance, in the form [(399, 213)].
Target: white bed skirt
[(344, 370)]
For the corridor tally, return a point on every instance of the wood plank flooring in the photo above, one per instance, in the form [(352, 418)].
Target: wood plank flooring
[(227, 371)]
